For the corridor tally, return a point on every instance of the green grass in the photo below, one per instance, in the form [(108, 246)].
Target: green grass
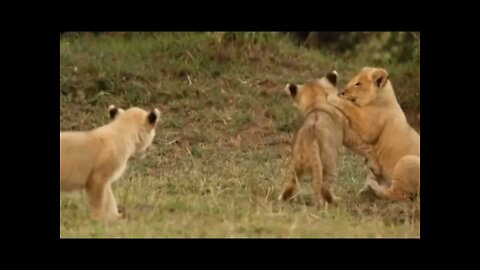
[(222, 150)]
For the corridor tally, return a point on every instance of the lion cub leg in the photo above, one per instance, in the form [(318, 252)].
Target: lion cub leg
[(292, 182), (405, 182), (111, 204), (352, 113), (96, 191), (367, 190), (374, 174), (329, 179), (329, 175), (353, 142), (323, 173)]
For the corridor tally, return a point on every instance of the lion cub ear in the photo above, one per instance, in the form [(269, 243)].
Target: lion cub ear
[(380, 77), (114, 111), (154, 116), (332, 77), (291, 89)]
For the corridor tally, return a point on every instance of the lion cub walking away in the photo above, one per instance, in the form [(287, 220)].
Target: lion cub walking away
[(92, 160), (369, 102), (317, 143)]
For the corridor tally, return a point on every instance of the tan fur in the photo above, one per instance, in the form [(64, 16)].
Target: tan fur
[(316, 144), (369, 102), (92, 160)]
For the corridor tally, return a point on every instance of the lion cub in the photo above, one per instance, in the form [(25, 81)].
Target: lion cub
[(369, 102), (316, 144), (92, 160)]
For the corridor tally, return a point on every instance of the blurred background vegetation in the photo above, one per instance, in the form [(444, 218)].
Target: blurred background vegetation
[(382, 46), (398, 52), (385, 46)]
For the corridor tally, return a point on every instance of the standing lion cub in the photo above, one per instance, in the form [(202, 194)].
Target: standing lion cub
[(92, 160), (369, 102), (317, 143)]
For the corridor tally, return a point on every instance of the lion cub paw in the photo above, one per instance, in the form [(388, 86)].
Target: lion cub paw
[(366, 192), (373, 184)]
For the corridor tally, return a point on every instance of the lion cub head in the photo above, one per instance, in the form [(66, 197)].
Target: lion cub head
[(306, 96), (365, 86), (138, 122)]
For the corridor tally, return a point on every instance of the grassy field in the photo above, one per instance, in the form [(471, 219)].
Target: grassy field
[(222, 148)]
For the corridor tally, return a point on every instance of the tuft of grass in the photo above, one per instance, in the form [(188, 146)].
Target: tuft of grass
[(222, 150)]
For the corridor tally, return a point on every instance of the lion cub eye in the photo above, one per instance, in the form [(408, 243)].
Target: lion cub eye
[(358, 84)]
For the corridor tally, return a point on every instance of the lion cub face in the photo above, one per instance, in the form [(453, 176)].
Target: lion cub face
[(141, 122), (312, 92), (364, 87)]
